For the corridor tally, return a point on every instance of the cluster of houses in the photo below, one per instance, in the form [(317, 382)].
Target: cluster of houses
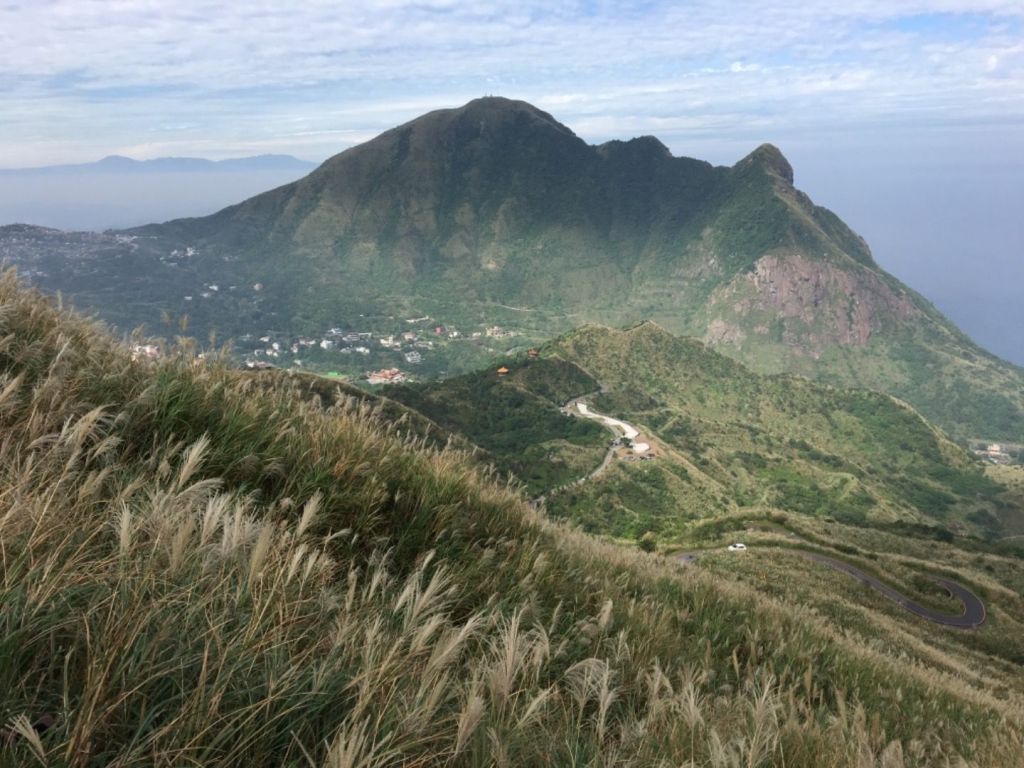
[(210, 290), (996, 453), (386, 376), (409, 337), (496, 332), (267, 348), (173, 258), (411, 344), (272, 350)]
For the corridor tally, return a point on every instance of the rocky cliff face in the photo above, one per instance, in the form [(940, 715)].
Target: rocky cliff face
[(818, 304)]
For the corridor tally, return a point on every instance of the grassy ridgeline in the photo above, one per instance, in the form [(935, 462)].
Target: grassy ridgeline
[(199, 570)]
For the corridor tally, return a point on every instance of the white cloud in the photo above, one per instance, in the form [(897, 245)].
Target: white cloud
[(78, 76)]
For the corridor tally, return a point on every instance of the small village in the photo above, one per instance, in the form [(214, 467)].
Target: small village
[(412, 348), (403, 350)]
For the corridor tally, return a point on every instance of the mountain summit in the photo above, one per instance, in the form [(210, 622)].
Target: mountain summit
[(497, 207)]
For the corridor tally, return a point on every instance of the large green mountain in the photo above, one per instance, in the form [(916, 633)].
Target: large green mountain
[(497, 212)]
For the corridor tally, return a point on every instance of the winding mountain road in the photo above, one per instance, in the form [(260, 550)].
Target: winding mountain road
[(974, 609), (619, 429), (628, 430)]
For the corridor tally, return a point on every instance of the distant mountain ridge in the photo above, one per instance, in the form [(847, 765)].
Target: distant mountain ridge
[(118, 192), (496, 207), (121, 164)]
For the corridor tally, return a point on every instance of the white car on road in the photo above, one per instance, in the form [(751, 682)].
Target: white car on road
[(737, 547)]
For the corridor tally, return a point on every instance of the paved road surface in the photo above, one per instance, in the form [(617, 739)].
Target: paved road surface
[(619, 428), (628, 430), (974, 610), (580, 409)]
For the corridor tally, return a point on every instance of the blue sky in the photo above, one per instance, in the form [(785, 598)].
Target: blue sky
[(904, 116), (84, 78)]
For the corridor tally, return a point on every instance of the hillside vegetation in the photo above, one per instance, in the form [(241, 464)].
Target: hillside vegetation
[(516, 419), (788, 467), (726, 438), (199, 569), (857, 455)]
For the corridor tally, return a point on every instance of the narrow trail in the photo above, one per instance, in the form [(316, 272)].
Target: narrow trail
[(973, 616)]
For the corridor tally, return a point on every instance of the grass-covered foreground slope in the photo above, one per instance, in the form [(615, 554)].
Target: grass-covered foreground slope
[(787, 467), (199, 569)]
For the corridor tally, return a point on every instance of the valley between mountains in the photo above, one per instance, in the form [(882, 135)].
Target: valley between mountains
[(322, 553)]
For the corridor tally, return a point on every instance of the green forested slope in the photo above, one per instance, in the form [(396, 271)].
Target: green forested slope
[(727, 438)]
